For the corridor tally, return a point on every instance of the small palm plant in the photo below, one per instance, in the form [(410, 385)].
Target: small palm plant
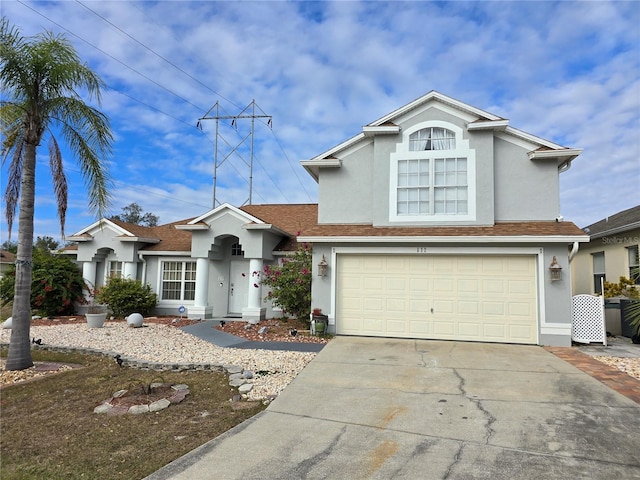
[(627, 288)]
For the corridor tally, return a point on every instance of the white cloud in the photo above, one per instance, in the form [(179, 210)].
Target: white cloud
[(567, 71)]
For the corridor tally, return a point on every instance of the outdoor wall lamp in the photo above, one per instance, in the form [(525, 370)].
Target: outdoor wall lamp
[(555, 270), (323, 266)]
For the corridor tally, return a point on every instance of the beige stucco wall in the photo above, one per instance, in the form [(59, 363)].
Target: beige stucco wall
[(615, 257)]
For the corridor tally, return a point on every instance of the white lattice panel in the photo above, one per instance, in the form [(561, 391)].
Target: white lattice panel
[(587, 315)]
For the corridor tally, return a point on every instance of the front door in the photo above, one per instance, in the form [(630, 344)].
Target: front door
[(238, 286)]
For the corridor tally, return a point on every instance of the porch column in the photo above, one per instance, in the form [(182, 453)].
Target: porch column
[(130, 270), (254, 312), (200, 308), (89, 276)]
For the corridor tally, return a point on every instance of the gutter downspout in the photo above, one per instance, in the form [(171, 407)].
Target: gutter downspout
[(573, 251), (144, 268)]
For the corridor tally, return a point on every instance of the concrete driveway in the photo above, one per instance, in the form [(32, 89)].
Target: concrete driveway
[(369, 408)]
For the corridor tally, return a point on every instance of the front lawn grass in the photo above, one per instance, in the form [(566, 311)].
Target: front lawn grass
[(49, 430)]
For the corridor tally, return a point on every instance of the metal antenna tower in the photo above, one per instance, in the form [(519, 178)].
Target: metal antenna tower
[(248, 112)]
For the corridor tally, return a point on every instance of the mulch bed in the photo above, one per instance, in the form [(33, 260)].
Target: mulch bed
[(278, 330)]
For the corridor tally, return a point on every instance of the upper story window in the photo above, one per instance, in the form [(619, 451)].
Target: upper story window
[(432, 176), (433, 138)]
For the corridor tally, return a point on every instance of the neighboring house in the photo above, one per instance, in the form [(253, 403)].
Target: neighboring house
[(612, 252), (437, 221), (7, 260)]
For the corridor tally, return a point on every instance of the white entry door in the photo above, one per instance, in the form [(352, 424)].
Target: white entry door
[(238, 286)]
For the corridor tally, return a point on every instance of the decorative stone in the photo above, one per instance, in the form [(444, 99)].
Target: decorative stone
[(7, 323), (119, 393), (247, 327), (135, 320), (233, 369), (159, 405), (103, 408), (247, 374), (246, 388), (180, 387), (138, 409), (234, 376), (263, 330), (236, 382)]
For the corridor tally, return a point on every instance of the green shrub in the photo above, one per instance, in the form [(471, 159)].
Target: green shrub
[(625, 288), (56, 284), (290, 283), (126, 296)]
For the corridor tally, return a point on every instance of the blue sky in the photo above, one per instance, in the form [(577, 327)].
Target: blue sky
[(568, 72)]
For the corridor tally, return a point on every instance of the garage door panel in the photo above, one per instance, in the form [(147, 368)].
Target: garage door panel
[(468, 308), (516, 309), (395, 283), (481, 298), (467, 329), (397, 326), (419, 306), (493, 308), (419, 328), (396, 305), (443, 329)]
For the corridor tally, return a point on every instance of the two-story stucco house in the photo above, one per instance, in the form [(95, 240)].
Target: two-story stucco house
[(437, 221)]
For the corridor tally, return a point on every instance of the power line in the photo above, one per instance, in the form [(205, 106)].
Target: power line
[(112, 57), (168, 90)]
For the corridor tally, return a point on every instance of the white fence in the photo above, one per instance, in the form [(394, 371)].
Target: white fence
[(587, 319)]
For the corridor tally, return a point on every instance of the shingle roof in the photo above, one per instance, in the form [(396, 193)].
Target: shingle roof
[(302, 220), (171, 239), (622, 221), (296, 219), (506, 229), (7, 257)]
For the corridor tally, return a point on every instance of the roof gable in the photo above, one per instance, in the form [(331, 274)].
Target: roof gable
[(476, 119)]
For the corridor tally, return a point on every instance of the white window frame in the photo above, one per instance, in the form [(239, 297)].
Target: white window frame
[(182, 279), (634, 263), (403, 152), (115, 269), (599, 268)]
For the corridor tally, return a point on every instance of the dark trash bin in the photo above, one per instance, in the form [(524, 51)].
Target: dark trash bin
[(321, 323), (625, 318)]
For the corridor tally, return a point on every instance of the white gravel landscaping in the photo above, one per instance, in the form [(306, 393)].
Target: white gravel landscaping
[(166, 344)]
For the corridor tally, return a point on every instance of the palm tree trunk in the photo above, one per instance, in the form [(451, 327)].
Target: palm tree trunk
[(19, 356)]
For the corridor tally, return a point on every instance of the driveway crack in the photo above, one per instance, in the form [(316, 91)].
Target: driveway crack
[(489, 418), (456, 460)]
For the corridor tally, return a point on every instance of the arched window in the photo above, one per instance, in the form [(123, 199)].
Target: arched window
[(432, 175), (433, 138)]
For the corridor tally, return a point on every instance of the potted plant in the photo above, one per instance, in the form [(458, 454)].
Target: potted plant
[(96, 316), (96, 313)]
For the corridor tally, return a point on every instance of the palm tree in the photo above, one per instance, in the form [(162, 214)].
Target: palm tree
[(40, 78)]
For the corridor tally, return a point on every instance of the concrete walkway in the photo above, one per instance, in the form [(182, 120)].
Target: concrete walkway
[(369, 408), (206, 330)]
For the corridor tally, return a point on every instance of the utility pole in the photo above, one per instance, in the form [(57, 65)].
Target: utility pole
[(248, 112)]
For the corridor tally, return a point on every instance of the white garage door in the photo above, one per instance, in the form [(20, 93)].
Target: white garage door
[(477, 298)]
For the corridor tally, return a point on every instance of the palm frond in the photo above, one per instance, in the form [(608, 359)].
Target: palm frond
[(12, 191), (59, 181)]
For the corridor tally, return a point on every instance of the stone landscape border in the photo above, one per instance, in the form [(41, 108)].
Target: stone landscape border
[(238, 376)]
